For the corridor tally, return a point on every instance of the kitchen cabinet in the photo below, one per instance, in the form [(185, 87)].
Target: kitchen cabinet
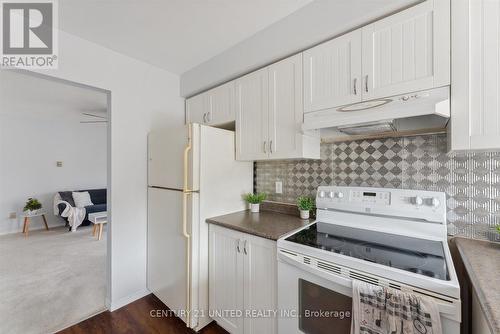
[(475, 107), (214, 107), (197, 108), (408, 51), (479, 322), (243, 277), (269, 114), (252, 116), (405, 52), (226, 278), (332, 73)]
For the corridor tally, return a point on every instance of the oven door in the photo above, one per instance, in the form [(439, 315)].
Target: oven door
[(311, 302)]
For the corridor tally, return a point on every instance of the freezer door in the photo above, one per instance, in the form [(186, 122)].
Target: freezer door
[(166, 157), (167, 252)]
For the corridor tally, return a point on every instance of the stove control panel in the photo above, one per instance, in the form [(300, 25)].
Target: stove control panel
[(371, 197), (418, 204)]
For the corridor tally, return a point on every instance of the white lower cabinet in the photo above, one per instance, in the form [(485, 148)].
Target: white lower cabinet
[(242, 282)]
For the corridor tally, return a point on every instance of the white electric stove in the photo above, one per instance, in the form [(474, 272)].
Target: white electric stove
[(387, 237)]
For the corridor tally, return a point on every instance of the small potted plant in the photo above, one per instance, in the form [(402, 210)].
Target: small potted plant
[(32, 205), (254, 200), (305, 204)]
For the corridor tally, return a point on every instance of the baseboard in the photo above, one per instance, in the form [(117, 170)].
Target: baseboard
[(32, 228), (115, 305)]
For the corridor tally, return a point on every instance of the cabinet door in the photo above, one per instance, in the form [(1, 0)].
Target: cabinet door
[(475, 107), (197, 108), (260, 283), (221, 104), (252, 116), (225, 277), (285, 108), (407, 51), (484, 74), (332, 73)]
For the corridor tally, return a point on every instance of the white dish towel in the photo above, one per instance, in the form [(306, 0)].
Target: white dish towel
[(379, 310)]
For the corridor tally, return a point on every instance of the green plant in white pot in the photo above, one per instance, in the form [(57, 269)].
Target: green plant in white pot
[(254, 200), (32, 206), (305, 204)]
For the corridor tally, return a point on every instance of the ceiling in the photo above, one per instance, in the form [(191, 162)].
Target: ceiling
[(22, 93), (175, 35)]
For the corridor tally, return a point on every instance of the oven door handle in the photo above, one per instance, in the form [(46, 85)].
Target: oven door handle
[(447, 309), (292, 260)]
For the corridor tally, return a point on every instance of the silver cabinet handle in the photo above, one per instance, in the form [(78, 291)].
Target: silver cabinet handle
[(265, 150), (238, 246), (204, 117), (209, 116), (366, 83), (245, 247), (355, 86), (271, 146)]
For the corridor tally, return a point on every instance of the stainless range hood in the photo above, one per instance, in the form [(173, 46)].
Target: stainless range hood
[(418, 112)]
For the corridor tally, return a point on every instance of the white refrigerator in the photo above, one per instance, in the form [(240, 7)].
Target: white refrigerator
[(192, 175)]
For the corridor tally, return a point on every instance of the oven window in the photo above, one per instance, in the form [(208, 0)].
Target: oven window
[(323, 310)]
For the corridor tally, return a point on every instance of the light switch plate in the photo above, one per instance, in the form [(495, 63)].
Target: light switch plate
[(279, 187), (59, 163)]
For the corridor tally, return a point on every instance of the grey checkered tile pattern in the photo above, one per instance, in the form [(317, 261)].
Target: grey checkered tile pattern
[(471, 180)]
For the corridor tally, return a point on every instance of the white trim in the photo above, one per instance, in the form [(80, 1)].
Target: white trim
[(115, 305)]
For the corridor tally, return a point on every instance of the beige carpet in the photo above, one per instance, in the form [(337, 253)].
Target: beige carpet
[(50, 280)]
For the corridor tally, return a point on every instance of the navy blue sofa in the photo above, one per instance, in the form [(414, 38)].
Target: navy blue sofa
[(97, 196)]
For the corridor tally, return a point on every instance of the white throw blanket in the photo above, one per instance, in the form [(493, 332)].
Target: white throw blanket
[(75, 215), (378, 310)]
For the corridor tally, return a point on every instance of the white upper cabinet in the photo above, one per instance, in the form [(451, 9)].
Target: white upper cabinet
[(221, 104), (252, 92), (285, 108), (269, 114), (407, 51), (402, 53), (214, 107), (332, 73), (475, 106), (197, 108)]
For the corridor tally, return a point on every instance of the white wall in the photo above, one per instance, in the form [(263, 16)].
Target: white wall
[(30, 145), (142, 97), (314, 23)]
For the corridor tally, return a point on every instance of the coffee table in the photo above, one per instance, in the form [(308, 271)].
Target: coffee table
[(98, 219)]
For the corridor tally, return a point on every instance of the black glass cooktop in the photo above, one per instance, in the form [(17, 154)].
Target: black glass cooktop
[(424, 257)]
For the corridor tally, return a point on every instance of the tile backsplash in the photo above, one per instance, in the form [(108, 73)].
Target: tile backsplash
[(471, 180)]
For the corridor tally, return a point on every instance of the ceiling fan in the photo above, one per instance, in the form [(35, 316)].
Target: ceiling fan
[(101, 119)]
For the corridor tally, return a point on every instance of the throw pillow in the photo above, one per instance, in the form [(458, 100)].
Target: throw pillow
[(82, 199), (67, 196)]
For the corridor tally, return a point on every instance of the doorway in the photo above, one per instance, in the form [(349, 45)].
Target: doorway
[(54, 195)]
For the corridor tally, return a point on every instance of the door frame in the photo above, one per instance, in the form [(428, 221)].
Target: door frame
[(107, 301)]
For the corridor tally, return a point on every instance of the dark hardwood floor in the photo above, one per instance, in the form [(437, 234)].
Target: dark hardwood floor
[(136, 318)]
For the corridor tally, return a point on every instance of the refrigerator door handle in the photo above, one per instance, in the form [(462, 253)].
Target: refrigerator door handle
[(186, 193)]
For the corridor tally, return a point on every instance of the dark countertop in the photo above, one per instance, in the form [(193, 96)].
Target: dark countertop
[(482, 262), (266, 224)]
